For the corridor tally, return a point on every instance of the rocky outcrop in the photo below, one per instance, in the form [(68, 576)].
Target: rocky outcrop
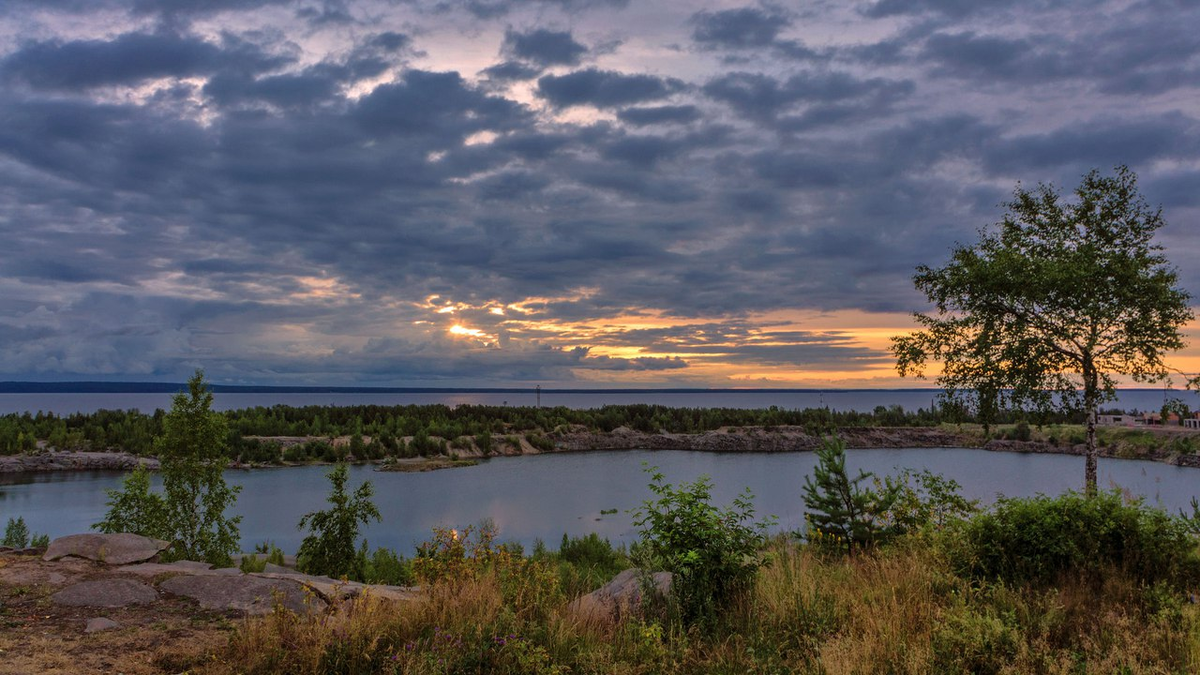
[(111, 549), (620, 596), (246, 593), (106, 593), (54, 460)]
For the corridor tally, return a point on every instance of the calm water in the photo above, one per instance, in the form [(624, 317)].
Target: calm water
[(844, 399), (544, 496)]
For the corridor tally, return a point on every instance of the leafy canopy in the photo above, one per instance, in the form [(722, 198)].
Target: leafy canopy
[(1051, 304)]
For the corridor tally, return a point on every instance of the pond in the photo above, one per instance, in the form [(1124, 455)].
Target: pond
[(544, 496)]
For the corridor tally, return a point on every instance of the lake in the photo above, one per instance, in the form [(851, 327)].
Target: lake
[(543, 496), (837, 399)]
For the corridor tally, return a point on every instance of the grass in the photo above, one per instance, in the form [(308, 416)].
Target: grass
[(898, 610)]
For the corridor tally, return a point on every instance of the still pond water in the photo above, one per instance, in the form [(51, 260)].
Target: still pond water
[(541, 497)]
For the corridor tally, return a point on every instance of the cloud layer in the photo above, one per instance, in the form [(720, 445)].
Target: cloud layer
[(473, 192)]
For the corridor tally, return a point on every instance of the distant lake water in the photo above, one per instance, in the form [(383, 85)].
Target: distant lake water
[(544, 496), (837, 399)]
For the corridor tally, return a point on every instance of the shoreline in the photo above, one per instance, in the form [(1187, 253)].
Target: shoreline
[(724, 440)]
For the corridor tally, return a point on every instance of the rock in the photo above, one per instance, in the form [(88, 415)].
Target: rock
[(191, 565), (100, 623), (105, 593), (150, 569), (276, 569), (244, 593), (619, 596), (111, 549), (333, 589)]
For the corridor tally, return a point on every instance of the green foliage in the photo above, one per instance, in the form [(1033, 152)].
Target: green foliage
[(1043, 311), (973, 643), (1037, 540), (192, 458), (330, 547), (713, 553), (842, 514), (927, 500), (134, 508), (384, 566), (39, 541), (16, 533)]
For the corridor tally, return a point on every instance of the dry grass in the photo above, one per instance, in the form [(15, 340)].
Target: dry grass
[(896, 611)]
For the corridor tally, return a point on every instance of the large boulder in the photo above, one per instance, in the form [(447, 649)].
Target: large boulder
[(110, 549), (620, 596), (243, 593), (105, 593)]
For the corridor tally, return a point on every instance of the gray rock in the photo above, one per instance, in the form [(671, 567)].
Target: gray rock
[(105, 593), (100, 623), (111, 549), (621, 595), (150, 569), (244, 593)]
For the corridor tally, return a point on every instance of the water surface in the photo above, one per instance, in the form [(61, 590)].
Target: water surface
[(543, 496)]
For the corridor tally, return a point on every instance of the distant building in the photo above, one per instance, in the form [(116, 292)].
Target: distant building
[(1115, 420)]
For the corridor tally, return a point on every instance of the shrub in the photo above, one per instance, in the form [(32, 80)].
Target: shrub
[(928, 500), (134, 508), (39, 541), (1037, 540), (713, 553), (330, 549), (385, 567), (16, 533), (840, 511)]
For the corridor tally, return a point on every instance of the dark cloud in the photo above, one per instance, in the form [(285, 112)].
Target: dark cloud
[(663, 114), (128, 59), (604, 88), (743, 28), (435, 105), (544, 47), (510, 71), (826, 96)]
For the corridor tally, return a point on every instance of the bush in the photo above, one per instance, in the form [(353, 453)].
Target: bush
[(928, 500), (1037, 540), (712, 553), (385, 567), (135, 509), (16, 534)]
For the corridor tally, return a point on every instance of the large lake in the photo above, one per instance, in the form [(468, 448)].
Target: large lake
[(543, 496), (837, 399)]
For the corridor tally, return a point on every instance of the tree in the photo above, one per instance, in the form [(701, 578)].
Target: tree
[(191, 453), (1052, 304), (839, 508), (136, 509), (330, 548)]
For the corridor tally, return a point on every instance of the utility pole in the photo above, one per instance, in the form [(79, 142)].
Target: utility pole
[(538, 389)]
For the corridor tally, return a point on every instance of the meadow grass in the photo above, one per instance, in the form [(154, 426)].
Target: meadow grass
[(899, 609)]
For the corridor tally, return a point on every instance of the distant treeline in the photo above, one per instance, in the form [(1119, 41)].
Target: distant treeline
[(388, 426)]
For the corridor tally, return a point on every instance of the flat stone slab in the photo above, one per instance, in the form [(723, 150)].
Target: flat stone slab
[(151, 569), (100, 623), (244, 593), (334, 589), (111, 549), (106, 593)]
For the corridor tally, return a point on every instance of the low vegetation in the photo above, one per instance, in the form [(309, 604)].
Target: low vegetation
[(1067, 584)]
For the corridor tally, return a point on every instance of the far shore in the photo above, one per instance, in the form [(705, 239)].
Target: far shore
[(728, 439)]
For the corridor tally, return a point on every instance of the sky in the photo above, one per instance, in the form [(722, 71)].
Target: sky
[(585, 193)]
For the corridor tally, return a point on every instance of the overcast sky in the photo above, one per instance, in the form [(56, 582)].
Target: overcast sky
[(565, 192)]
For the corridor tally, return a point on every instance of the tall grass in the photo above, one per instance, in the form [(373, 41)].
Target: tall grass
[(897, 610)]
